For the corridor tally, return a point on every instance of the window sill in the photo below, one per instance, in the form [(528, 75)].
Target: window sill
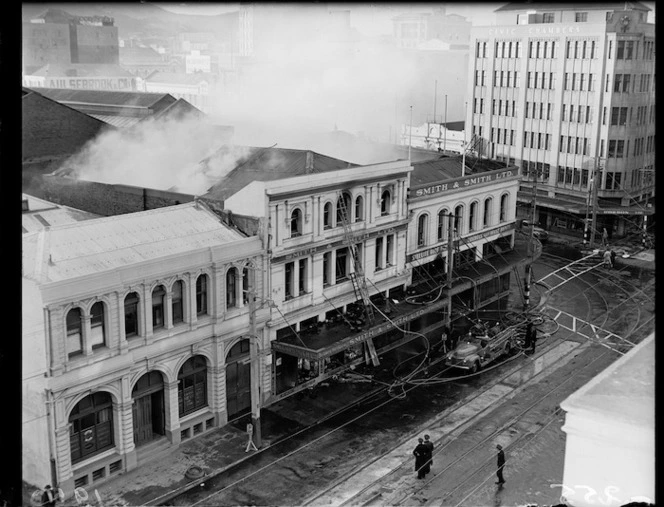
[(112, 452), (203, 411)]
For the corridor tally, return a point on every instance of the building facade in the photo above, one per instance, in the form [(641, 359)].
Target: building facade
[(567, 94), (139, 332)]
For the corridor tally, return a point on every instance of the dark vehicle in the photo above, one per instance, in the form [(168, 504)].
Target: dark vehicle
[(481, 346), (538, 232)]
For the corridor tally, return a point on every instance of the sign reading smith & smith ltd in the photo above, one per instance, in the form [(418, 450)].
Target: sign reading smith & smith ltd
[(463, 183)]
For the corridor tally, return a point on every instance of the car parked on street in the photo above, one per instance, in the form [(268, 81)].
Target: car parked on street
[(538, 232), (481, 346)]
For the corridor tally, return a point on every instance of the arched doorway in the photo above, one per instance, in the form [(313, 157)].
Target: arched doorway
[(148, 408), (238, 379)]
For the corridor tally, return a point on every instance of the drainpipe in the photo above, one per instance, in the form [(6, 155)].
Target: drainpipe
[(49, 400)]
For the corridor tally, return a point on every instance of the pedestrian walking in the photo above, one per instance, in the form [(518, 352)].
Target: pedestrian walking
[(420, 454), (48, 497), (501, 465), (605, 237), (613, 258), (528, 342), (429, 444), (607, 258), (533, 340)]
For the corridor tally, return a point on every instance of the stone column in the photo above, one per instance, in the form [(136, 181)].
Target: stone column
[(172, 412), (191, 299), (146, 310), (87, 331), (124, 418), (218, 392), (168, 309), (122, 333)]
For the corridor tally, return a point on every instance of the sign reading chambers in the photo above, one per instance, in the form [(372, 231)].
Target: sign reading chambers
[(461, 183)]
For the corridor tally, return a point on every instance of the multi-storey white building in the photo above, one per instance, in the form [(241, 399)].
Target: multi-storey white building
[(312, 269), (563, 92), (137, 335)]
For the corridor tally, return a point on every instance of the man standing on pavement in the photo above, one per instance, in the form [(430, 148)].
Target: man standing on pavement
[(533, 340), (429, 444), (528, 343), (420, 454), (501, 464)]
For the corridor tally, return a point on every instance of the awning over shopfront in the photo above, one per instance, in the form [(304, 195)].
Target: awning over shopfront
[(581, 208)]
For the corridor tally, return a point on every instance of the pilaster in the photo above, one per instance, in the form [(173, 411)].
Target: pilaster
[(171, 412), (218, 396), (87, 333), (168, 309), (122, 333)]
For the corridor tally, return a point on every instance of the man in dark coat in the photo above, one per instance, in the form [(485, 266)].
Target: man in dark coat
[(429, 445), (421, 451), (533, 340), (529, 337), (501, 464)]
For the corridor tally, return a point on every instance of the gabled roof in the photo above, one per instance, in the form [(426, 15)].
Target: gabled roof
[(106, 244), (562, 6), (265, 164), (126, 99)]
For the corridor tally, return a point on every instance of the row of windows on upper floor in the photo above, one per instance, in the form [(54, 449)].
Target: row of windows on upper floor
[(346, 212), (83, 339), (460, 223)]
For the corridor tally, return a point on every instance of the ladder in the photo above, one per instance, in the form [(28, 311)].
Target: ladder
[(357, 277)]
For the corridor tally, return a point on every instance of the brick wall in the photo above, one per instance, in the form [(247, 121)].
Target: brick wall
[(106, 199), (50, 129)]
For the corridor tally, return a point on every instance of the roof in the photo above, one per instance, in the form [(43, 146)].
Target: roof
[(94, 246), (137, 54), (178, 78), (562, 6), (431, 171), (623, 392), (264, 164), (41, 214), (127, 99), (117, 121), (82, 70)]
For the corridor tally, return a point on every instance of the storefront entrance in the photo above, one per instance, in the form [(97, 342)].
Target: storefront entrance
[(148, 408), (238, 379)]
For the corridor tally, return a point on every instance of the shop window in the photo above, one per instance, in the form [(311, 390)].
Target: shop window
[(327, 216), (74, 332), (202, 295), (385, 202), (192, 386), (176, 302), (296, 223), (158, 295), (422, 224), (359, 209), (97, 327), (91, 426), (231, 288), (131, 314)]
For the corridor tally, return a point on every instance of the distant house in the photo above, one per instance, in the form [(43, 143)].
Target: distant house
[(194, 88)]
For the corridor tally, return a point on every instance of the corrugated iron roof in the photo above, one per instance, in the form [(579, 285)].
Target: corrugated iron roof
[(118, 121), (94, 246), (131, 99), (42, 214), (265, 164)]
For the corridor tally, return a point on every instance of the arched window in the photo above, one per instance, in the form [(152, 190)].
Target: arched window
[(97, 328), (503, 207), (131, 314), (359, 208), (327, 215), (245, 286), (343, 209), (458, 219), (442, 225), (487, 212), (177, 306), (74, 332), (202, 295), (296, 223), (422, 223), (158, 295), (472, 216), (91, 426), (385, 202), (192, 386), (231, 288)]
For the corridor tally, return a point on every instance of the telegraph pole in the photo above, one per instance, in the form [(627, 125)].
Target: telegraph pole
[(450, 264), (255, 371), (445, 138), (597, 181)]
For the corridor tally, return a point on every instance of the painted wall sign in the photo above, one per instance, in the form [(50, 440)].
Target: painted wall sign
[(461, 183), (529, 30), (92, 83)]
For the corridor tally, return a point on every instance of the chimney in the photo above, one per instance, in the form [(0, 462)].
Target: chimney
[(309, 164)]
